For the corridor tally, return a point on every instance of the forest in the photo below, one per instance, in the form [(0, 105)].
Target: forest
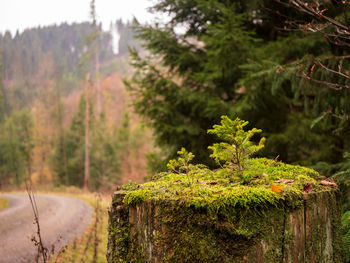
[(74, 112), (43, 106)]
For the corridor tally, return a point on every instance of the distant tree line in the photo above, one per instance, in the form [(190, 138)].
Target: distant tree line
[(39, 68)]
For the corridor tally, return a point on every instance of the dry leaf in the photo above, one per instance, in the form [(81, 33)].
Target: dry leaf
[(328, 183), (276, 188), (285, 181), (307, 188), (203, 182), (312, 68)]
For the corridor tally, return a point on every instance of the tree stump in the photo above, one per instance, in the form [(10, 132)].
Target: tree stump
[(166, 231)]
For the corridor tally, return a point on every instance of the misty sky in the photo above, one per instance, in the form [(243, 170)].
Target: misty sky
[(22, 14)]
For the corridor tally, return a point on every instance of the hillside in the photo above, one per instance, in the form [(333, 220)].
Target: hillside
[(42, 97)]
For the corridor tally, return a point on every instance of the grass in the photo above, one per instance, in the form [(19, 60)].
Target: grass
[(82, 248), (3, 203)]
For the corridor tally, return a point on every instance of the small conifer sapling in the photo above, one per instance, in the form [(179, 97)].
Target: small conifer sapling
[(237, 147), (182, 163)]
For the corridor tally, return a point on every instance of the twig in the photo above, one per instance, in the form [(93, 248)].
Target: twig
[(331, 70), (330, 85), (42, 250)]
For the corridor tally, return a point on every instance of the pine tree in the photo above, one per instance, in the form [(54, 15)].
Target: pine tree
[(75, 145), (105, 150), (24, 123), (15, 148), (228, 60), (189, 80)]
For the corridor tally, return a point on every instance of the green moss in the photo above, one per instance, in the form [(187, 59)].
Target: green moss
[(130, 186), (232, 211), (224, 189), (239, 183), (217, 238)]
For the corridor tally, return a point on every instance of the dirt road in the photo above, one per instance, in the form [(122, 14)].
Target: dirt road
[(61, 220)]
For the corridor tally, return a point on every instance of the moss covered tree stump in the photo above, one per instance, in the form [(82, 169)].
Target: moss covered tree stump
[(218, 220)]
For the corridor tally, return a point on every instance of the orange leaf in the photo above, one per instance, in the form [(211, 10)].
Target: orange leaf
[(276, 188)]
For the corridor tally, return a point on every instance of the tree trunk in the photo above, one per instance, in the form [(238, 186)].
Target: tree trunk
[(98, 85), (87, 120)]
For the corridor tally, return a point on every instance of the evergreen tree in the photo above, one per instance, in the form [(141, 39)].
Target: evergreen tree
[(228, 60), (75, 144), (190, 79), (24, 123), (12, 164), (16, 145), (105, 165)]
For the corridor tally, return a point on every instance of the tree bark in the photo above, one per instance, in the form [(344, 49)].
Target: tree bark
[(98, 84), (87, 141)]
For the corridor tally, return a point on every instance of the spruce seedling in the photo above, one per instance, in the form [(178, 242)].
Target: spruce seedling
[(182, 163), (237, 146)]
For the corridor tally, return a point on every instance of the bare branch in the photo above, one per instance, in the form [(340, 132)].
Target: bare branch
[(302, 6), (331, 85), (42, 250), (331, 70)]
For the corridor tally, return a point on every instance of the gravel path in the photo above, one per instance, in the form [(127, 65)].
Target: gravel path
[(61, 220)]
